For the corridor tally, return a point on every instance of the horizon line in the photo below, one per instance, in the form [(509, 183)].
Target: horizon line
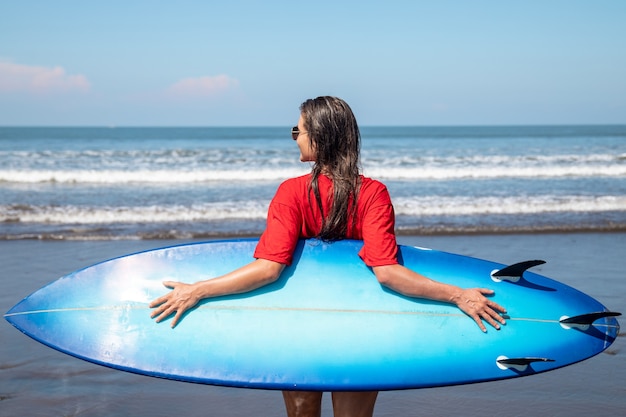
[(95, 126)]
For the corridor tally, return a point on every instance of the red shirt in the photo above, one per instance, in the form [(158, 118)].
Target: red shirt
[(293, 216)]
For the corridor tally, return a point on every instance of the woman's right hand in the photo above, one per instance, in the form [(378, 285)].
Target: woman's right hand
[(472, 302), (475, 304)]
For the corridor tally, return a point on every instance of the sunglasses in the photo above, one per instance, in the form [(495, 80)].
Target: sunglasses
[(295, 132)]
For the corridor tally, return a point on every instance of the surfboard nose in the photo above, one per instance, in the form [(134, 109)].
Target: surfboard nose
[(18, 317), (16, 310)]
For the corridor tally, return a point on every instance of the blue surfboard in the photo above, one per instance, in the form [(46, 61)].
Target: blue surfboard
[(326, 324)]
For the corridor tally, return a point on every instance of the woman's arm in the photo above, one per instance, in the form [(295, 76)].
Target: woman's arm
[(184, 296), (471, 301)]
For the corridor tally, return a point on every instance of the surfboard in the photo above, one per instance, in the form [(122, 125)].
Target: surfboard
[(326, 324)]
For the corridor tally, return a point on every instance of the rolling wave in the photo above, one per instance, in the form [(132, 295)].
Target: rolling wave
[(157, 176), (241, 165), (515, 205), (256, 210), (418, 173)]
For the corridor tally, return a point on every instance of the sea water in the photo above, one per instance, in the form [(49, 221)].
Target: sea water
[(139, 183)]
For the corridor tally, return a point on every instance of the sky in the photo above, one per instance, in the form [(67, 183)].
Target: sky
[(251, 63)]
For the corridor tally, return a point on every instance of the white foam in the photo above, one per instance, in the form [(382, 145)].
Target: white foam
[(264, 174), (488, 172), (464, 206), (140, 214), (113, 167), (144, 176), (256, 210)]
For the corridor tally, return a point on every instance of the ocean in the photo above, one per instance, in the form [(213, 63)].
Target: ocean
[(71, 197), (180, 183)]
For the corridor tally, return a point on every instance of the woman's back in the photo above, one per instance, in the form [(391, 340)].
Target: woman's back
[(293, 216)]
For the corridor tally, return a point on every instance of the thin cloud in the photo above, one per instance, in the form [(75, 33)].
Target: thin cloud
[(207, 86), (34, 79)]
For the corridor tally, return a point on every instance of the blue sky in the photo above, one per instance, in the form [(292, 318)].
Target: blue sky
[(251, 63)]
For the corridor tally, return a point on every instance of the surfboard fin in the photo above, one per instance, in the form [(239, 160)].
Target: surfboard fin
[(519, 364), (514, 272), (587, 319)]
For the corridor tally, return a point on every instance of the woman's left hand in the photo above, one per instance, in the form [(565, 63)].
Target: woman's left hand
[(180, 299)]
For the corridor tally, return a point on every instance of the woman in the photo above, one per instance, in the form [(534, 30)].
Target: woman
[(333, 202)]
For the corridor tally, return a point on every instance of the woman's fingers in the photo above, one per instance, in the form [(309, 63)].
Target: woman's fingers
[(479, 308), (176, 301), (177, 317)]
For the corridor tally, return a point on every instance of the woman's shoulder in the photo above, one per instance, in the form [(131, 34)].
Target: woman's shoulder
[(296, 181), (292, 188), (374, 190), (371, 183)]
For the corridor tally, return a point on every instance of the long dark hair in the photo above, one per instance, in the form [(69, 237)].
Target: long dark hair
[(336, 142)]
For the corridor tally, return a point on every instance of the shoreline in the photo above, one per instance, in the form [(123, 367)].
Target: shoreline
[(461, 232)]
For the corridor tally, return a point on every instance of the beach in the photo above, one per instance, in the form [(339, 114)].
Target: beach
[(495, 131), (38, 381), (72, 197)]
